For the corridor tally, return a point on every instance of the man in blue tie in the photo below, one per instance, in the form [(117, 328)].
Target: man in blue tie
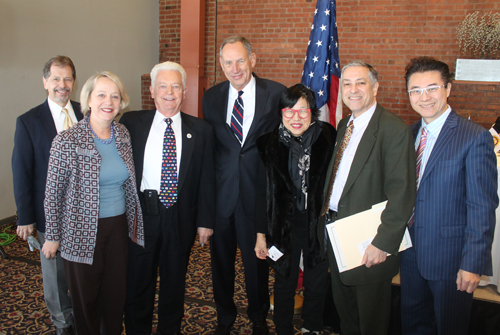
[(453, 221), (240, 110), (173, 155)]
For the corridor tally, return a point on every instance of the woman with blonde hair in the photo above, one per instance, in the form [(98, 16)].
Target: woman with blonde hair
[(91, 206)]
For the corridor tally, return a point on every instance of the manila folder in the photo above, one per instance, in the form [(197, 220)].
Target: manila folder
[(351, 236)]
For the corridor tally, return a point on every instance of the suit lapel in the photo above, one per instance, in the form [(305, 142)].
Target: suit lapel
[(77, 110), (139, 141), (364, 149), (188, 142), (446, 134), (222, 110), (261, 98), (47, 122), (340, 135)]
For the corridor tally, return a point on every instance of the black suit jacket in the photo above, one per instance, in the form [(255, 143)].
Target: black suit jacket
[(33, 137), (237, 167), (195, 200)]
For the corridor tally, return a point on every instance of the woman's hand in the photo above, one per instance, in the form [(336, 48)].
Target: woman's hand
[(49, 249), (261, 249)]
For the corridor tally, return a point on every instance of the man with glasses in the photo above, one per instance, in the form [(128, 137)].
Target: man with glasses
[(453, 221), (373, 161)]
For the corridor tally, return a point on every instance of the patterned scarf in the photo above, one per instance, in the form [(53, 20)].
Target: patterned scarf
[(299, 159)]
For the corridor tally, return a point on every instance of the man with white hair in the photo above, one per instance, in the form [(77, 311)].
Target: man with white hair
[(173, 155)]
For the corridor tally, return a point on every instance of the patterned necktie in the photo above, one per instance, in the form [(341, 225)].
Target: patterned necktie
[(237, 117), (168, 185), (420, 153), (336, 163), (68, 123)]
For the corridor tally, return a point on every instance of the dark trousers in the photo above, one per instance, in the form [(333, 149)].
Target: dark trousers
[(98, 290), (431, 307), (363, 309), (238, 230), (161, 252), (315, 287)]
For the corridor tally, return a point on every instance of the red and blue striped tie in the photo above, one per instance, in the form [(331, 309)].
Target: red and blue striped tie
[(168, 185), (420, 153), (237, 117)]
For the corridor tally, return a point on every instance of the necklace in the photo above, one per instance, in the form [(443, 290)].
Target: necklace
[(108, 141)]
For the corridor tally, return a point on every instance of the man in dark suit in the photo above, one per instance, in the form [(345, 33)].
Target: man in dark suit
[(35, 131), (373, 162), (173, 155), (240, 110), (454, 217)]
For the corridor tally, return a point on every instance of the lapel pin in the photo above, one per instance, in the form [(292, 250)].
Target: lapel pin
[(189, 135)]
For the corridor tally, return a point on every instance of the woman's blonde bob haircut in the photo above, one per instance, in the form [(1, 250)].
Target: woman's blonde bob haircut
[(90, 85)]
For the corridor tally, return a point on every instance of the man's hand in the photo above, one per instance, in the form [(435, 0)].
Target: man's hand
[(49, 249), (204, 234), (467, 281), (261, 250), (25, 231), (373, 256)]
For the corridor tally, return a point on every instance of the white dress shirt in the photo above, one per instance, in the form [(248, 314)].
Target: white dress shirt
[(153, 152), (59, 116), (360, 124), (248, 97), (433, 130)]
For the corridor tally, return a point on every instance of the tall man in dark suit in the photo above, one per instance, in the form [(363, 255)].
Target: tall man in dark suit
[(454, 217), (173, 155), (373, 161), (240, 110), (35, 131)]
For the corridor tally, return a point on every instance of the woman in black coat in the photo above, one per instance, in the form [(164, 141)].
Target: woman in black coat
[(296, 156)]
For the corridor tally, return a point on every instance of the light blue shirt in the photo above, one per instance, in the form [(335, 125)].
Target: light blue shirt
[(112, 175), (433, 130)]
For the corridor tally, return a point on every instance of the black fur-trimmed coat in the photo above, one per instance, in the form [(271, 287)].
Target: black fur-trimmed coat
[(276, 202)]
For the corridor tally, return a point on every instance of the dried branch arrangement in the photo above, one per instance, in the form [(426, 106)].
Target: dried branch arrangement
[(479, 37)]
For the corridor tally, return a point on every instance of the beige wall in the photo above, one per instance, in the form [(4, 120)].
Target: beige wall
[(116, 35)]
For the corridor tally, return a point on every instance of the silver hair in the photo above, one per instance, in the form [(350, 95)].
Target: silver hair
[(168, 66)]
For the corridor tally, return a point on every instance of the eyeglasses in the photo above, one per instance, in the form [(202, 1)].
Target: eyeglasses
[(420, 91), (289, 113)]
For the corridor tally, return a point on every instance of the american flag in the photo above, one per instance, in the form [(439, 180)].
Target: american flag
[(322, 65)]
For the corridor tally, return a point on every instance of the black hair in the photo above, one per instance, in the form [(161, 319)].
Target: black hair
[(425, 64), (292, 94)]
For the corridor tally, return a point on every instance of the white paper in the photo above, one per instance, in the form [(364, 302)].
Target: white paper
[(274, 253)]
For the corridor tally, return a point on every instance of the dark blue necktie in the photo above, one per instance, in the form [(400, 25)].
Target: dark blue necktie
[(237, 117), (168, 185)]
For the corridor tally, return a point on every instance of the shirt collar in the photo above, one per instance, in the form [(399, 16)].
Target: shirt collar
[(434, 128), (364, 118), (56, 109), (159, 117), (248, 90)]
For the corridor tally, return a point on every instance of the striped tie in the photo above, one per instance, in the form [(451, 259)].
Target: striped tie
[(168, 184), (237, 117), (420, 153)]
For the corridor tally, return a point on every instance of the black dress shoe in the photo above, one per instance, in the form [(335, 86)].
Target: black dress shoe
[(260, 328), (223, 330), (65, 331)]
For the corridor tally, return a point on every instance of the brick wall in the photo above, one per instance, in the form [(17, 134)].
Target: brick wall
[(384, 33), (480, 101)]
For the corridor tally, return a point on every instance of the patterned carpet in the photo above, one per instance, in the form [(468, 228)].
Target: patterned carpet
[(22, 307)]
